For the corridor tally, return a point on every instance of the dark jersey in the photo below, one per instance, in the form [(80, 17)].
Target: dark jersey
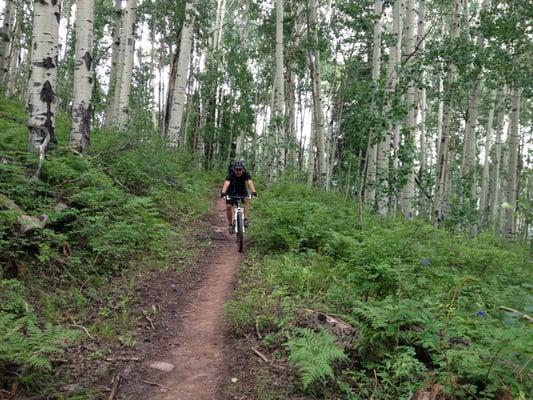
[(237, 184)]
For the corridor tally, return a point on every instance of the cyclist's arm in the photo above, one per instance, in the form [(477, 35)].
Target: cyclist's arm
[(225, 187), (251, 186)]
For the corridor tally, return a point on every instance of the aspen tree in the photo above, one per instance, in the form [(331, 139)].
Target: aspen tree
[(370, 192), (443, 158), (83, 75), (509, 225), (43, 74), (279, 95), (392, 80), (116, 62), (6, 37), (484, 194), (127, 43), (495, 181), (10, 77), (422, 107), (317, 97), (408, 190), (178, 101), (469, 160)]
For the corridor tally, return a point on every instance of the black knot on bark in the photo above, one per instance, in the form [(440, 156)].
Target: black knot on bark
[(47, 93), (48, 63), (88, 60)]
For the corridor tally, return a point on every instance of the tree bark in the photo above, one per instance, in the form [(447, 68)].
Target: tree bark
[(6, 35), (83, 76), (443, 159), (180, 88), (279, 113), (43, 73), (495, 182), (116, 62), (422, 107), (128, 44), (317, 97), (384, 146), (484, 195), (509, 226), (408, 165), (370, 192), (10, 77), (469, 157)]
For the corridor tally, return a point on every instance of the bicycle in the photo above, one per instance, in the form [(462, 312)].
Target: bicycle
[(238, 218)]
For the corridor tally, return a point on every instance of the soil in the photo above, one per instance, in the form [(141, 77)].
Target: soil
[(189, 334), (178, 323)]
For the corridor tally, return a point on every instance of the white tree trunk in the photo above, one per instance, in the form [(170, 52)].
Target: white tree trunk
[(469, 157), (14, 53), (443, 161), (509, 226), (6, 37), (83, 75), (218, 34), (495, 182), (370, 192), (279, 111), (312, 156), (117, 62), (180, 88), (440, 115), (317, 97), (484, 195), (504, 179), (43, 73), (408, 191), (128, 44), (422, 107), (384, 145)]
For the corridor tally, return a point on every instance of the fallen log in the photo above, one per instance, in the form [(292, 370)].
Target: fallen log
[(334, 324), (25, 223)]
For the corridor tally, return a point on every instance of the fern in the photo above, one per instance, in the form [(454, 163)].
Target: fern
[(23, 343), (314, 354)]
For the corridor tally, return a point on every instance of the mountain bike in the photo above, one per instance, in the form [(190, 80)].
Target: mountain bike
[(238, 218)]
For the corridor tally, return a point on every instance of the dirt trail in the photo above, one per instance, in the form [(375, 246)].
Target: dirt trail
[(199, 356)]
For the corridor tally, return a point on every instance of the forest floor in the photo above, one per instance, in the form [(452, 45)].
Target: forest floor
[(181, 347), (187, 353)]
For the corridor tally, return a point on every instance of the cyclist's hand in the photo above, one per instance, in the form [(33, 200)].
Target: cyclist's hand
[(254, 194), (222, 194)]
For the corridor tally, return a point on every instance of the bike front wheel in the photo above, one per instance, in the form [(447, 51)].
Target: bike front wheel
[(240, 233)]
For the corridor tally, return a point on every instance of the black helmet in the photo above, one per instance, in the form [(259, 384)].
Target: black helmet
[(238, 164)]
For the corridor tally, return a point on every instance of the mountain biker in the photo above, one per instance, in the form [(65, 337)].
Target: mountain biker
[(238, 183)]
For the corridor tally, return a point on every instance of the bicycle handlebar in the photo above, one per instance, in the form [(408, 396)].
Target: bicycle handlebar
[(237, 197)]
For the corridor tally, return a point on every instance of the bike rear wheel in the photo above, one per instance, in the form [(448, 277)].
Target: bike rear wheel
[(240, 233)]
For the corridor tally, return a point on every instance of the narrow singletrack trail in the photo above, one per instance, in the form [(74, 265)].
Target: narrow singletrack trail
[(199, 357)]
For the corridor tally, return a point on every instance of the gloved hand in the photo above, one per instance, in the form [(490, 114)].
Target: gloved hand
[(222, 194), (254, 194)]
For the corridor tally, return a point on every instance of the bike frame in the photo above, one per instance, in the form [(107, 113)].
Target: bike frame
[(238, 211)]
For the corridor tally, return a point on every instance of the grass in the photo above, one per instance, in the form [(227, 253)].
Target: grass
[(122, 210), (425, 302)]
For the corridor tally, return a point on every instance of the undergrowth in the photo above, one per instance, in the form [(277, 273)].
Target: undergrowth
[(121, 209), (425, 303)]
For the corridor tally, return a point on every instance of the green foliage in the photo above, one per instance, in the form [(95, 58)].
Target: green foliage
[(314, 354), (22, 342), (425, 302), (123, 207)]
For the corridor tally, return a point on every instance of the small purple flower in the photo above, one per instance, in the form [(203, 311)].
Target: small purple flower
[(425, 262), (481, 314)]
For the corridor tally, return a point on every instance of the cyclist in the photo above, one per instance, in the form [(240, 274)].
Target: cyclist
[(238, 183)]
